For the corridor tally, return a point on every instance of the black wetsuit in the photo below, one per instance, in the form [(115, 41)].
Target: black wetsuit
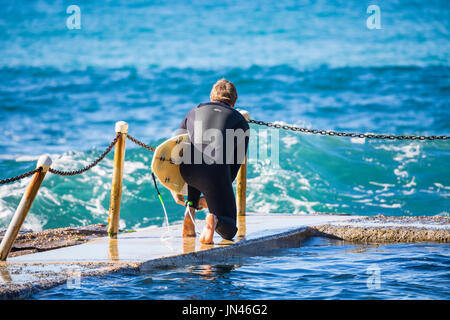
[(214, 176)]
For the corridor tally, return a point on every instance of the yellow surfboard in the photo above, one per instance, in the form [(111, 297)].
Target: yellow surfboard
[(166, 163)]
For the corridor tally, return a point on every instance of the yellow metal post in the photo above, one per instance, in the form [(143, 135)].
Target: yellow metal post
[(241, 180), (16, 223), (116, 188), (242, 228)]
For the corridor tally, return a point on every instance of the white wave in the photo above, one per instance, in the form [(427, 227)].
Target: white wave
[(302, 206), (146, 178), (385, 186), (383, 205), (284, 181), (264, 207), (409, 192), (289, 141), (361, 189), (48, 195), (34, 223), (404, 155), (298, 123), (363, 201), (94, 205), (443, 214), (411, 183), (358, 140), (389, 194), (26, 158), (409, 151), (13, 192), (400, 173), (132, 166), (441, 186), (122, 224)]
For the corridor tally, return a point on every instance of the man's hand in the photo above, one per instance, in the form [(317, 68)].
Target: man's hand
[(202, 204), (178, 198)]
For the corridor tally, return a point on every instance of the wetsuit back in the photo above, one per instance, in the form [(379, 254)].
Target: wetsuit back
[(219, 141)]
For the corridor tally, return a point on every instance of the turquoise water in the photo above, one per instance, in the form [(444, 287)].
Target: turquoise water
[(321, 269), (309, 63), (313, 64)]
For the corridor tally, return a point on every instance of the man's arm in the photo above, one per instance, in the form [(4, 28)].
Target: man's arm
[(178, 198), (183, 126)]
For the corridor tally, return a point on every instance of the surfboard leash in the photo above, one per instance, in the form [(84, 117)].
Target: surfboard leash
[(187, 204), (157, 190), (162, 202)]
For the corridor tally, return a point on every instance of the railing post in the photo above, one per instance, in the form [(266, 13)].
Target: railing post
[(44, 162), (241, 180), (116, 188)]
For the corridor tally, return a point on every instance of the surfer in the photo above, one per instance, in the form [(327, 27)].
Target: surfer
[(219, 137)]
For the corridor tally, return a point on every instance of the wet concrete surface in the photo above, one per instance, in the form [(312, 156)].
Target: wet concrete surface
[(31, 242)]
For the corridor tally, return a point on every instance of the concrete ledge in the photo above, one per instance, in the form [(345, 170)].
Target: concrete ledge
[(28, 242), (383, 235), (234, 251), (382, 229), (153, 247), (20, 281)]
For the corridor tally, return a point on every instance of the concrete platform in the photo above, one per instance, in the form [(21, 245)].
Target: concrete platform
[(150, 248), (156, 243)]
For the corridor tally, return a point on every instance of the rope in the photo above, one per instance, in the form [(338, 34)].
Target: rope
[(20, 177), (345, 134), (261, 123), (140, 143), (91, 165), (82, 170)]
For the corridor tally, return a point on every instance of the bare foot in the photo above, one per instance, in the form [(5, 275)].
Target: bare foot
[(188, 224), (208, 231)]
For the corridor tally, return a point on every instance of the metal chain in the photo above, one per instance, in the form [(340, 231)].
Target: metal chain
[(140, 143), (262, 123), (345, 134), (82, 170), (16, 178), (79, 171)]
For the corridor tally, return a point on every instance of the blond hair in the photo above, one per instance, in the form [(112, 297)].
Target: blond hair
[(224, 91)]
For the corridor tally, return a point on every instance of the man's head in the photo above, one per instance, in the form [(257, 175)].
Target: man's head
[(224, 91)]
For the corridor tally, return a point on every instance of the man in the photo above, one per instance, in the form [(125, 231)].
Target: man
[(219, 137)]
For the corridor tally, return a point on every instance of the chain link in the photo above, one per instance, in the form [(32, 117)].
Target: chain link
[(140, 143), (346, 134), (262, 123), (80, 171), (22, 176)]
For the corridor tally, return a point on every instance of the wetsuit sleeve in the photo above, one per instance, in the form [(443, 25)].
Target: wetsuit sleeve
[(183, 126)]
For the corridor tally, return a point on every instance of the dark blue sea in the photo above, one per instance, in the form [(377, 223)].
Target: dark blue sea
[(314, 64)]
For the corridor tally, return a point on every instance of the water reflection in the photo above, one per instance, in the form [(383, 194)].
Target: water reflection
[(189, 244), (209, 272), (4, 275), (113, 250)]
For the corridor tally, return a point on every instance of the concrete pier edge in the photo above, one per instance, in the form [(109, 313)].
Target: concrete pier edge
[(22, 276)]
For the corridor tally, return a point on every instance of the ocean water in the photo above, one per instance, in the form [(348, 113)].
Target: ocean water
[(311, 63), (320, 269)]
